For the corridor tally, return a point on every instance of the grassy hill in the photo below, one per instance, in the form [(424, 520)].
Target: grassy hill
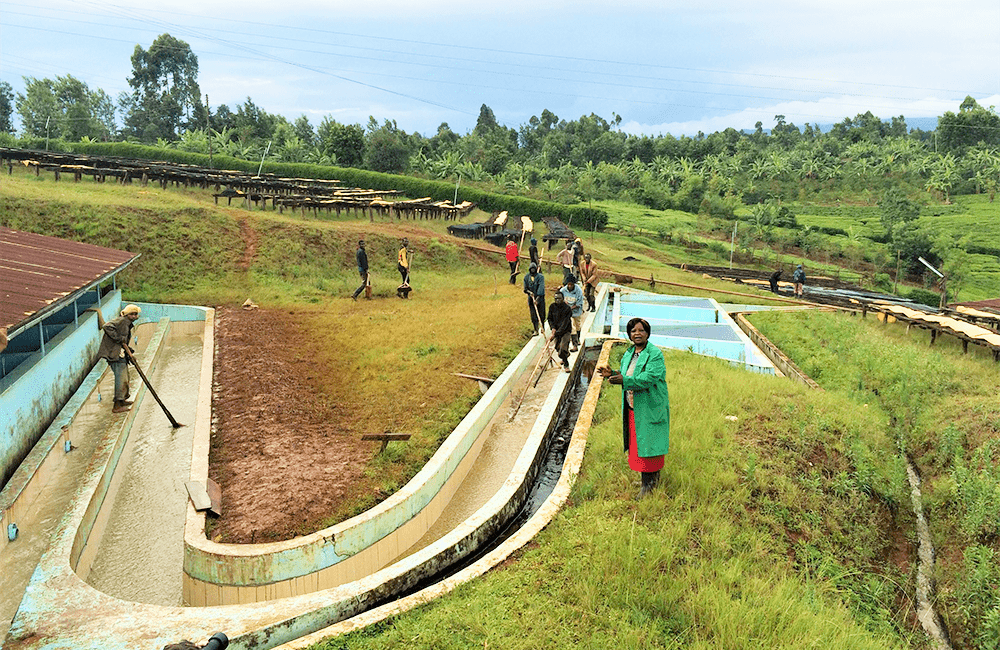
[(787, 527)]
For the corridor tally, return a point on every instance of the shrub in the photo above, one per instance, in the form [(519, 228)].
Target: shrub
[(924, 297)]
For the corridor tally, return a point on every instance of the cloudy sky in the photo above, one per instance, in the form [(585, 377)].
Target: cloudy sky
[(663, 66)]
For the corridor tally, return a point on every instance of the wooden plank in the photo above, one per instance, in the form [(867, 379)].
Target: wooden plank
[(215, 495), (477, 378), (386, 436), (199, 495)]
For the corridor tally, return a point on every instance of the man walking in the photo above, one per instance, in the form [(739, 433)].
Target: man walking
[(117, 334), (533, 252), (362, 259), (560, 322), (534, 287), (588, 274), (511, 254), (573, 295)]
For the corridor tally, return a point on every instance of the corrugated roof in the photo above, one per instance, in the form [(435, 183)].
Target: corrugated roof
[(38, 272)]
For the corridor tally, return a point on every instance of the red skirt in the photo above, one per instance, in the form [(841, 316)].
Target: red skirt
[(636, 462)]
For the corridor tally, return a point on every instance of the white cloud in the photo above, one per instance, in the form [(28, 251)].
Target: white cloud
[(825, 111)]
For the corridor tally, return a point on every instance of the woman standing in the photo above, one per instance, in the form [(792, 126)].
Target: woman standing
[(645, 404)]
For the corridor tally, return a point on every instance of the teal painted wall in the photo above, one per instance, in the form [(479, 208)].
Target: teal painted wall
[(38, 387)]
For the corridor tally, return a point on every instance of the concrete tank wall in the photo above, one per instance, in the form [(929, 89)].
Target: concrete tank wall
[(217, 574), (32, 395)]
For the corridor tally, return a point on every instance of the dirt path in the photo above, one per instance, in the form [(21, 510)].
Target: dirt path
[(278, 450)]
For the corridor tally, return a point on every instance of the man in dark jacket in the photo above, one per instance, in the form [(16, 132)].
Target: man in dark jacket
[(561, 323), (534, 287), (533, 251), (799, 278), (362, 258), (774, 280), (117, 333)]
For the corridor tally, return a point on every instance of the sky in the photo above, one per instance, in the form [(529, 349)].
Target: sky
[(663, 66)]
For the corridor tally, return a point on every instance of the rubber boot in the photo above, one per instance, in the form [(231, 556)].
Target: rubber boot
[(575, 342), (649, 481)]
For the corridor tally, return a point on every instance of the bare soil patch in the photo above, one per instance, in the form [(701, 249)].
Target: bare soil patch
[(279, 452)]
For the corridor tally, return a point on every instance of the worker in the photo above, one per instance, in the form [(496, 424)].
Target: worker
[(511, 253), (362, 259), (577, 256), (565, 258), (561, 323), (799, 278), (588, 275), (403, 261), (573, 295), (533, 252), (534, 288), (774, 280), (117, 334)]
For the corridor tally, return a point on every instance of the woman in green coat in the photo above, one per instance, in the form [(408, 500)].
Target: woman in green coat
[(645, 404)]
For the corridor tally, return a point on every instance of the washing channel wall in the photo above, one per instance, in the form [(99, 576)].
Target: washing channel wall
[(78, 344), (61, 611), (224, 574), (38, 387)]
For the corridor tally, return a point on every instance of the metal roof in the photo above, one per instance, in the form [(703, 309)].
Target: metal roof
[(39, 274)]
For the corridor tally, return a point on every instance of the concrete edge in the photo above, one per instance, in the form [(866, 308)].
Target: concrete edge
[(253, 566), (545, 514)]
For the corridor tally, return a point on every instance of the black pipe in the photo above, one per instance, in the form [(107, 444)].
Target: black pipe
[(218, 641)]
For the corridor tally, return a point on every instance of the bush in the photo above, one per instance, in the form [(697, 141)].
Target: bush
[(924, 297)]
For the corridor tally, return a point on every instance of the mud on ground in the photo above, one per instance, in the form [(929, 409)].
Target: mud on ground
[(279, 450)]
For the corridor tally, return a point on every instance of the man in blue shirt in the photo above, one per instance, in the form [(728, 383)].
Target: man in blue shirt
[(574, 299)]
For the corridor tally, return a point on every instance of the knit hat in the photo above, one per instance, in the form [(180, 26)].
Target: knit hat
[(131, 309)]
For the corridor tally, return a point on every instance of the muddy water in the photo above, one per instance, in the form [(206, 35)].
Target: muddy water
[(18, 559), (486, 476), (141, 554)]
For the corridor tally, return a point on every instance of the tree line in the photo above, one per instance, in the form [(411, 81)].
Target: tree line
[(548, 158)]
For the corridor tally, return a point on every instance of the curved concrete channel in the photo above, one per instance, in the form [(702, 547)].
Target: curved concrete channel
[(128, 560), (110, 572)]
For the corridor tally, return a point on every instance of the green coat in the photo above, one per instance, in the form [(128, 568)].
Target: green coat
[(652, 402)]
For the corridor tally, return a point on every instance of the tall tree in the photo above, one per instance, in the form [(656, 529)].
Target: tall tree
[(972, 125), (165, 94), (64, 108), (344, 143), (6, 107)]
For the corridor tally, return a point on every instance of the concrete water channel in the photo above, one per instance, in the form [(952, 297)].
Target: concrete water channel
[(117, 553)]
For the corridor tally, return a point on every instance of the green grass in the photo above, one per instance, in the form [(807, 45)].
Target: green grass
[(942, 407), (768, 532)]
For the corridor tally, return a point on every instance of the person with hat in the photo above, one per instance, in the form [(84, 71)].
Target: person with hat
[(117, 334), (799, 278), (533, 252), (573, 295), (362, 259), (534, 288)]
